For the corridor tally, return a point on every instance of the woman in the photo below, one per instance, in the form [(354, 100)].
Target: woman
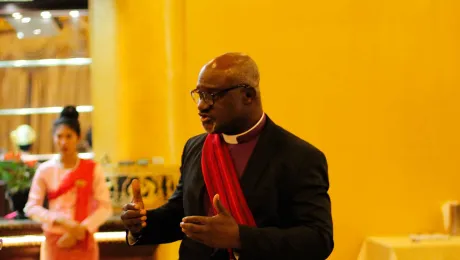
[(78, 196)]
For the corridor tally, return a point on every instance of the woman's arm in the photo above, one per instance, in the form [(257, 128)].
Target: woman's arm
[(34, 208)]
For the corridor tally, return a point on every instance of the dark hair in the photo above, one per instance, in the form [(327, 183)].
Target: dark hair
[(89, 137), (69, 117)]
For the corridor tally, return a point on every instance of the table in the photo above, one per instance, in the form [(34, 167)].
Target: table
[(22, 240), (403, 248), (112, 246), (16, 227)]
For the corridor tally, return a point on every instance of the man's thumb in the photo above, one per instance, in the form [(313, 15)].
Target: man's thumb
[(137, 197), (220, 209)]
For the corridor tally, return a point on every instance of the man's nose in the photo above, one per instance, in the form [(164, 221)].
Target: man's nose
[(202, 105)]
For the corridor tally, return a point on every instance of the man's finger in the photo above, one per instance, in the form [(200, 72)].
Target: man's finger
[(137, 196), (193, 228), (134, 221), (135, 225), (131, 206), (135, 229), (220, 209), (133, 214), (196, 220), (195, 236)]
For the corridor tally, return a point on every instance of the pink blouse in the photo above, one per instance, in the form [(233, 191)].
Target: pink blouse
[(48, 176)]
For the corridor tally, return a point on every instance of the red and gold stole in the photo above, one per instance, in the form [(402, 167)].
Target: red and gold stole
[(221, 178)]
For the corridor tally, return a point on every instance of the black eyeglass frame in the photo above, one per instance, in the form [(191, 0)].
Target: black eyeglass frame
[(210, 98)]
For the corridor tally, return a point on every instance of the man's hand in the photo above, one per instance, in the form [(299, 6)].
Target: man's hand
[(66, 241), (134, 214), (76, 230), (219, 231)]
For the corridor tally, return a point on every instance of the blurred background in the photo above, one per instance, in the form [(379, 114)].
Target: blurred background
[(373, 84)]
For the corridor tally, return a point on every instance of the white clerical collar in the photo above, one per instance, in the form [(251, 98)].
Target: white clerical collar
[(232, 139)]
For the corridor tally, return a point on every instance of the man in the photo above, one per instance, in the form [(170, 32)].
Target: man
[(248, 188)]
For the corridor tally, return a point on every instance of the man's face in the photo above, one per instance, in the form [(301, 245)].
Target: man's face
[(219, 104)]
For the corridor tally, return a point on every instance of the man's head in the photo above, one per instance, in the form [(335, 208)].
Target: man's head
[(228, 95)]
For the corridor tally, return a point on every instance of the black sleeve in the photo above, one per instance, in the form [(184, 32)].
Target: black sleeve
[(310, 208), (163, 222)]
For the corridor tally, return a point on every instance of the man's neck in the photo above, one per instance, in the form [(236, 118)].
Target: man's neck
[(232, 139)]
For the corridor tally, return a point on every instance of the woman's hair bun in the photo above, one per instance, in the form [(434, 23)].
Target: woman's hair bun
[(70, 112)]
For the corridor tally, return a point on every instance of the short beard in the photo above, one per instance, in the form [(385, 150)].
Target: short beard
[(213, 128)]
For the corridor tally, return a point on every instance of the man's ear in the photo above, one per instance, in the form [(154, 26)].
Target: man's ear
[(249, 95)]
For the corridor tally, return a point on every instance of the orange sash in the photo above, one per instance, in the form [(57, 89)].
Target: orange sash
[(82, 179)]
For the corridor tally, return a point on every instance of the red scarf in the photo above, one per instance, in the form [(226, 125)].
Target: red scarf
[(221, 178), (82, 179)]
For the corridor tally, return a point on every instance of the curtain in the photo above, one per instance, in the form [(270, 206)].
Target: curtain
[(22, 87)]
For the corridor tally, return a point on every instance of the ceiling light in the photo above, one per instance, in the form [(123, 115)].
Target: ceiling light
[(45, 14), (20, 35), (74, 14), (9, 8), (37, 31), (47, 63), (25, 20), (17, 15), (19, 63)]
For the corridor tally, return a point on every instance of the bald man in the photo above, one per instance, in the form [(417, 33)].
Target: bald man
[(248, 189)]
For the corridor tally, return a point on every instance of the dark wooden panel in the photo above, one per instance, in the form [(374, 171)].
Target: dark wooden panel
[(20, 253), (49, 4)]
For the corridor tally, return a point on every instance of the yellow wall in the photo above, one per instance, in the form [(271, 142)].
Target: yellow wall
[(150, 73), (137, 79), (374, 84), (371, 83)]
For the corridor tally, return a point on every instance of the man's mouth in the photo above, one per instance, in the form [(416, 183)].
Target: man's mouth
[(205, 118)]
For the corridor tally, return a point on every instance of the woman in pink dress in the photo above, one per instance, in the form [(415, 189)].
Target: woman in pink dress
[(78, 197)]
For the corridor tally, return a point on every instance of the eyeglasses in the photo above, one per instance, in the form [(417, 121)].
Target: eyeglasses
[(210, 98)]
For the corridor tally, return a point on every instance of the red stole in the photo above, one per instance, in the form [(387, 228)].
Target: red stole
[(221, 178), (82, 179)]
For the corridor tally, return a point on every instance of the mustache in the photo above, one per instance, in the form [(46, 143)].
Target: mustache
[(205, 111)]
